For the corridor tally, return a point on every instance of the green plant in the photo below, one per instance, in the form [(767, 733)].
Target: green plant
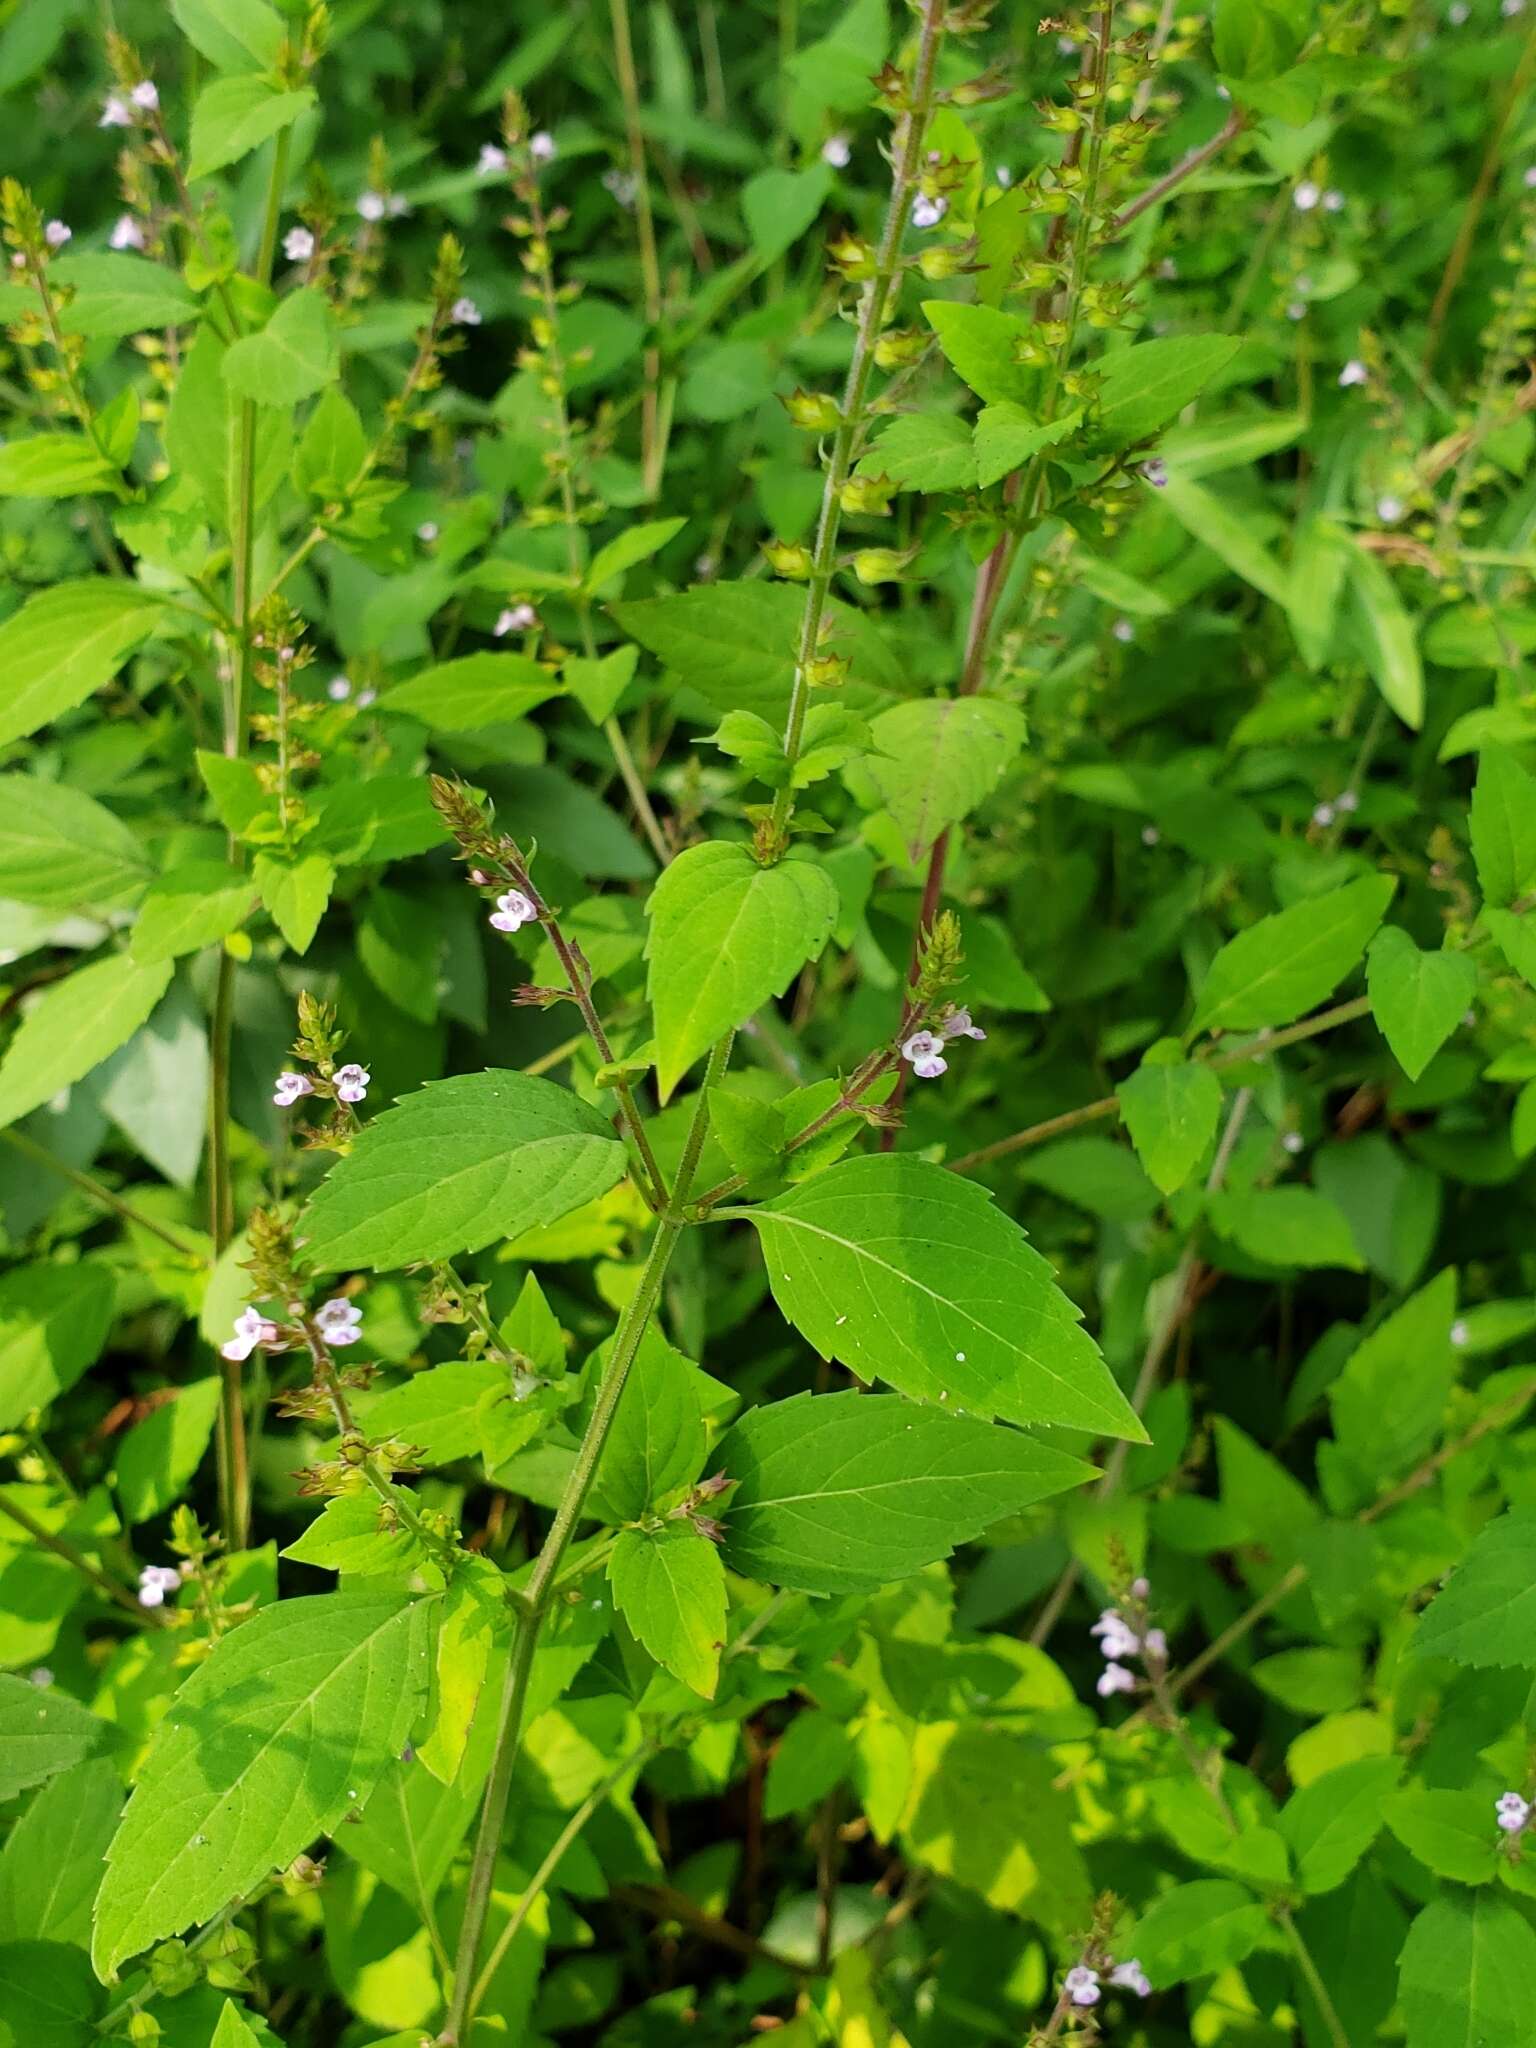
[(648, 663)]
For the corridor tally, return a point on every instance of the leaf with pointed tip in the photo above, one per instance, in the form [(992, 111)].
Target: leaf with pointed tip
[(42, 1732), (66, 642), (1285, 963), (1171, 1108), (1417, 998), (1486, 1612), (275, 1739), (1503, 821), (454, 1166), (76, 1025), (669, 1585), (907, 1273), (837, 1493)]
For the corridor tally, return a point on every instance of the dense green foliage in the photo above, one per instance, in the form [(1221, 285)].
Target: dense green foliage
[(768, 1070)]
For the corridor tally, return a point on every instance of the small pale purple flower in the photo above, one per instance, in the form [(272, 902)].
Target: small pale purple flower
[(145, 96), (836, 152), (1354, 372), (465, 312), (115, 112), (1003, 176), (926, 212), (1123, 631), (155, 1582), (622, 185), (56, 234), (1150, 836), (1116, 1636), (925, 1053), (251, 1329), (372, 206), (1130, 1976), (491, 161), (365, 698), (339, 689), (1306, 196), (1459, 1333), (1293, 1142), (1081, 1985), (427, 532), (1529, 177), (516, 618), (1513, 1812), (1323, 814), (541, 146), (290, 1087), (1141, 1589), (298, 245), (1155, 472), (513, 910), (40, 1676), (1155, 1644), (397, 206), (352, 1082), (1347, 800), (340, 1321), (126, 233), (1333, 201), (1390, 509), (1115, 1678), (958, 1025)]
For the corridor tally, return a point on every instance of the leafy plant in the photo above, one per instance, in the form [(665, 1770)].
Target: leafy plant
[(648, 663)]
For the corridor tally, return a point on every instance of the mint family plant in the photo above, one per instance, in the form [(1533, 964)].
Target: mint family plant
[(767, 860)]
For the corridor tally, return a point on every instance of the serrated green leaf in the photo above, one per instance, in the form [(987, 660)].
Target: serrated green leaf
[(66, 642), (1198, 1929), (907, 1273), (476, 690), (1468, 1974), (48, 1997), (726, 937), (1170, 1108), (635, 544), (77, 1024), (54, 1320), (292, 357), (353, 1533), (1290, 1226), (203, 430), (194, 905), (235, 115), (455, 1166), (332, 448), (60, 849), (51, 1864), (275, 1739), (53, 466), (669, 1585), (1330, 1823), (1447, 1831), (1486, 1612), (981, 344), (121, 294), (294, 891), (923, 451), (160, 1454), (837, 1493), (1417, 998), (657, 1442), (1286, 963), (439, 1410), (983, 1810), (1005, 437), (779, 206), (939, 758), (1144, 386), (233, 34), (1389, 1400), (1503, 826), (42, 1731), (1514, 933)]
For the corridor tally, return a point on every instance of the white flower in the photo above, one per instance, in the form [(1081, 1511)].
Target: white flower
[(513, 910), (1115, 1678), (517, 618), (427, 532), (1333, 202), (155, 1581), (1130, 1976), (251, 1329), (115, 112), (396, 206), (40, 1676), (1459, 1333), (1141, 1589), (1296, 310), (926, 212), (491, 161), (465, 312), (1389, 509), (1323, 814), (1081, 1985), (958, 1025), (56, 234), (145, 96), (1123, 631), (1293, 1142), (371, 205), (1510, 8), (1513, 1812), (926, 1055), (1116, 1636), (1155, 472), (1529, 177), (622, 185), (1150, 835), (338, 689), (836, 152), (290, 1087), (1306, 196), (1347, 800), (298, 245), (1155, 1644), (126, 233), (1457, 13), (1003, 176), (1354, 372), (541, 146), (352, 1080), (365, 698), (340, 1321)]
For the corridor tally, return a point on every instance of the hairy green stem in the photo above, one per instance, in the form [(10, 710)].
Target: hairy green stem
[(847, 439), (535, 1596)]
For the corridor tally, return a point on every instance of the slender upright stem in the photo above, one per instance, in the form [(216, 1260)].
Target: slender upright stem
[(535, 1596), (61, 1547), (653, 451), (98, 1191), (847, 439), (1186, 167)]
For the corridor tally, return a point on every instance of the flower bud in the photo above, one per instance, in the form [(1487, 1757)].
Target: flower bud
[(827, 671), (944, 259), (1061, 120), (879, 565), (900, 347), (868, 494), (788, 559), (813, 410), (851, 256)]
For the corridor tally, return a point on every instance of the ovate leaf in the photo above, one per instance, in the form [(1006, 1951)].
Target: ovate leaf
[(235, 115), (923, 451), (837, 1493), (1148, 384), (194, 905), (1007, 436), (1388, 637), (42, 1732), (907, 1273), (478, 689), (982, 346), (938, 758), (52, 466), (669, 1585), (48, 1996), (1197, 1929), (1170, 1107), (1467, 1978), (456, 1165), (75, 1026), (235, 35), (727, 935), (281, 1734), (51, 1864), (1417, 998), (121, 294), (1503, 826), (1284, 964), (60, 849), (1486, 1613), (66, 642), (294, 893), (54, 1321), (657, 1442), (293, 356), (1330, 1823), (160, 1454)]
